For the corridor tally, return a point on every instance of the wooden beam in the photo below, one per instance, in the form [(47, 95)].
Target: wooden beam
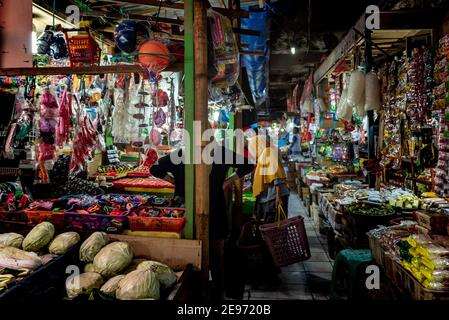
[(88, 70), (179, 6), (340, 51), (246, 32), (389, 20), (252, 53), (202, 171)]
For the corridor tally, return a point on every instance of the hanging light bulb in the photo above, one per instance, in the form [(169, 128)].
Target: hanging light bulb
[(293, 50)]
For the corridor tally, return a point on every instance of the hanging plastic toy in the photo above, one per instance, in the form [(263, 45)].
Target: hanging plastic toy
[(154, 55), (126, 36)]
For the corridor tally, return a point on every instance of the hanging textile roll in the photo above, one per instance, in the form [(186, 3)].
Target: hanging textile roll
[(372, 88), (356, 87), (360, 106)]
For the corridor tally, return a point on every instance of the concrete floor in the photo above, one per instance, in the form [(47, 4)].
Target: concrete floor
[(309, 280)]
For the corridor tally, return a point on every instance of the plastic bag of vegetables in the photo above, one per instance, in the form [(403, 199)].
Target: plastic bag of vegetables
[(39, 237), (163, 273), (138, 284), (92, 245), (110, 287), (75, 285), (17, 259), (11, 240), (63, 242), (113, 258)]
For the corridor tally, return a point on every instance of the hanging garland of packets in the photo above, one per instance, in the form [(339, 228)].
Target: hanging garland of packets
[(407, 85), (441, 104), (393, 92)]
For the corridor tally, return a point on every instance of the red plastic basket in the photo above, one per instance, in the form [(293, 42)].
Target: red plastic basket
[(38, 216), (83, 49), (156, 224), (287, 241), (164, 224)]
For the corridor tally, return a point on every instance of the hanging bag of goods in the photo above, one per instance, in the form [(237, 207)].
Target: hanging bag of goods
[(223, 53), (344, 110), (372, 92)]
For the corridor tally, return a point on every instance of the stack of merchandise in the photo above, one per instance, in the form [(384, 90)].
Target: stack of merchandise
[(393, 79), (441, 93)]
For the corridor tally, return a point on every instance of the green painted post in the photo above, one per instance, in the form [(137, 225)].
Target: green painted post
[(189, 116)]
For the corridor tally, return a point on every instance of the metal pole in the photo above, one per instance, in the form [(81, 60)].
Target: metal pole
[(371, 141)]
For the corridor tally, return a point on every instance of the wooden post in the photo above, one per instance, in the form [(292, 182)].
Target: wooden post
[(189, 116), (202, 171)]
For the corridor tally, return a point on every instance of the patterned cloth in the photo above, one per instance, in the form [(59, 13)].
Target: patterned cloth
[(63, 183)]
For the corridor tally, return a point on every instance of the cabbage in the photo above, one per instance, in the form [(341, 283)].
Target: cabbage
[(112, 284), (89, 267), (16, 259), (11, 240), (164, 273), (75, 285), (39, 237), (63, 242), (138, 284), (93, 245), (113, 259)]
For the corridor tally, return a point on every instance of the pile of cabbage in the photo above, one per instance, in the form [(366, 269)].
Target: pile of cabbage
[(21, 255), (111, 269)]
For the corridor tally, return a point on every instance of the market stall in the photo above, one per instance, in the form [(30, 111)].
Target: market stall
[(385, 166), (84, 125)]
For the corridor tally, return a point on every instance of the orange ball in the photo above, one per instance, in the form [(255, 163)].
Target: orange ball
[(159, 58)]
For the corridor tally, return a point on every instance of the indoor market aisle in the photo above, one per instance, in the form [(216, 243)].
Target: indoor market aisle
[(309, 280)]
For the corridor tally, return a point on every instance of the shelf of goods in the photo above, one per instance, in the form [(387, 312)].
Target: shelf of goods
[(144, 215)]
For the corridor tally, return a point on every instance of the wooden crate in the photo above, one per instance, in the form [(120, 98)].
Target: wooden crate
[(315, 214), (377, 251), (176, 253), (315, 197)]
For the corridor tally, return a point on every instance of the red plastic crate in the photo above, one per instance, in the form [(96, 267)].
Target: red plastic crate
[(38, 216), (156, 224)]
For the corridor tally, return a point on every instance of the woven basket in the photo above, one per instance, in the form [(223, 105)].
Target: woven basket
[(287, 241)]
